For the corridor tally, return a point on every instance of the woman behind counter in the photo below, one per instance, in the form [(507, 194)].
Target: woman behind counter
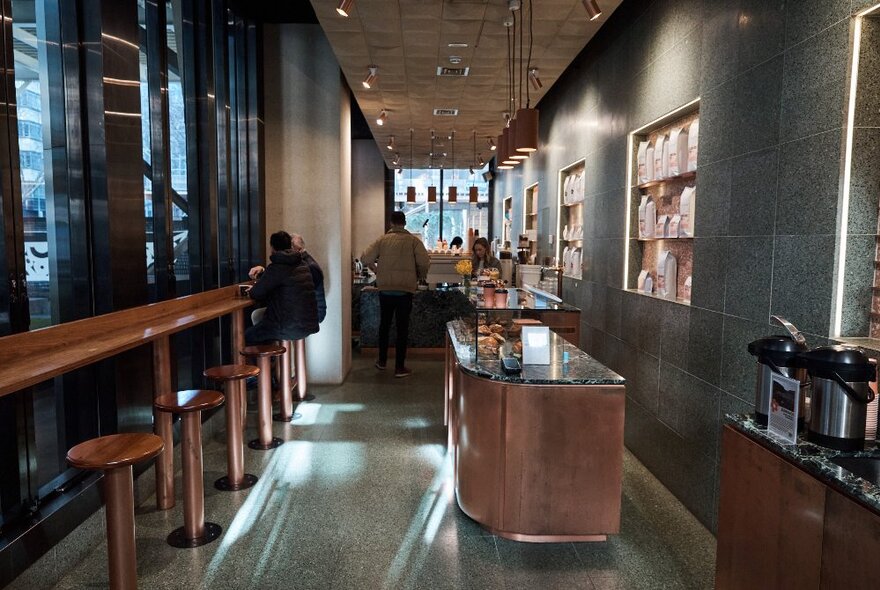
[(482, 258)]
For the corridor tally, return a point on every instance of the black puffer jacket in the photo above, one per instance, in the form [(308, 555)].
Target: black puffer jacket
[(287, 291), (318, 280)]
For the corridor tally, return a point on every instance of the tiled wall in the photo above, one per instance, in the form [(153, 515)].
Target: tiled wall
[(772, 77)]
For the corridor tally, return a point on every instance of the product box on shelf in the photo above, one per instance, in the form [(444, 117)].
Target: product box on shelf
[(678, 148), (660, 166), (661, 229), (686, 290), (686, 209), (667, 271), (643, 162), (649, 161), (650, 218), (640, 283), (693, 145), (675, 227)]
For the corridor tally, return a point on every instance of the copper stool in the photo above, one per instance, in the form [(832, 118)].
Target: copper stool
[(195, 532), (264, 353), (233, 377), (301, 377), (283, 373), (114, 455)]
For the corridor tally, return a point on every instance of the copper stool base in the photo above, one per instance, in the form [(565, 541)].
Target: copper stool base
[(224, 485), (258, 446), (280, 418), (178, 539)]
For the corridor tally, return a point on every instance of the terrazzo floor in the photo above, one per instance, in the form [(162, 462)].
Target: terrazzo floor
[(360, 497)]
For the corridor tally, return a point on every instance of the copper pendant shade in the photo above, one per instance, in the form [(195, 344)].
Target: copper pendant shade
[(527, 130), (453, 194), (500, 155), (410, 194), (473, 194), (432, 194), (507, 149)]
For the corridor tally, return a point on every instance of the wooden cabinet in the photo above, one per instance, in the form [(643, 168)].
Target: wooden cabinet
[(780, 527)]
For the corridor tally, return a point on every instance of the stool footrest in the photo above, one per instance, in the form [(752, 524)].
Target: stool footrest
[(178, 539), (258, 446), (224, 485)]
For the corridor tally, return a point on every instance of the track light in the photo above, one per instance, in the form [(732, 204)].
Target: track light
[(372, 74), (481, 161), (534, 79), (344, 7), (471, 170), (491, 143), (380, 120), (396, 160), (593, 10), (390, 145), (400, 170)]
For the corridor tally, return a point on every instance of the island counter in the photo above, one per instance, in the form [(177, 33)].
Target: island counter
[(537, 456)]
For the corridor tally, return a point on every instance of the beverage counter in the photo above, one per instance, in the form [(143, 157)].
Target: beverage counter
[(795, 516), (538, 456)]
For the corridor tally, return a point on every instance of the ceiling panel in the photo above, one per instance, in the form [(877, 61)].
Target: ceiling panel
[(409, 39)]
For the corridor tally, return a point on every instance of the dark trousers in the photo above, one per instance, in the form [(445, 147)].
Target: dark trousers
[(394, 307)]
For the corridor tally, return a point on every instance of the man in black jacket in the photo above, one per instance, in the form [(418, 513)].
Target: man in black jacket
[(286, 289)]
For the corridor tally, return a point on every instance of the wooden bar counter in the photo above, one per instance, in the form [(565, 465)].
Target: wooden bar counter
[(538, 456)]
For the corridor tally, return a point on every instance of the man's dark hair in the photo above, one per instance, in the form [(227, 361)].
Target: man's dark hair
[(398, 218), (280, 240)]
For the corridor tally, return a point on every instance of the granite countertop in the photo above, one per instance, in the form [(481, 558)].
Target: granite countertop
[(816, 461), (581, 369)]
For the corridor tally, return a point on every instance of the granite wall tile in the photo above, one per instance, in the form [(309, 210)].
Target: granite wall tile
[(753, 179), (647, 381), (803, 272), (858, 283), (805, 18), (761, 32), (614, 278), (814, 85), (809, 182), (864, 199), (717, 123), (630, 322), (674, 334), (749, 273), (650, 314), (705, 345), (720, 42), (758, 98), (710, 260), (690, 407), (868, 95), (713, 199), (616, 356), (613, 303), (597, 342)]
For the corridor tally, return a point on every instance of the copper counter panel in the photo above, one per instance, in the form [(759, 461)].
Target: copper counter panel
[(537, 463)]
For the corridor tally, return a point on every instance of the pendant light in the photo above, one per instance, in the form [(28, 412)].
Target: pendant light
[(507, 139), (473, 193), (411, 189), (499, 159), (432, 190), (453, 190), (526, 140)]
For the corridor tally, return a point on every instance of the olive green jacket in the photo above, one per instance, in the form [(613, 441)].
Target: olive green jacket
[(402, 260)]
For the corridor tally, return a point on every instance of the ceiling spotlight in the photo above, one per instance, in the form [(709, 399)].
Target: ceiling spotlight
[(344, 7), (481, 161), (534, 79), (390, 145), (471, 170), (380, 120), (514, 4), (372, 74), (491, 143), (400, 170), (396, 160), (433, 137), (593, 10)]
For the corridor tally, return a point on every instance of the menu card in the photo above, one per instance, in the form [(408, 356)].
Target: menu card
[(783, 410)]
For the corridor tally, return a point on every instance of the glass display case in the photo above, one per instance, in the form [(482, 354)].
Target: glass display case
[(494, 329)]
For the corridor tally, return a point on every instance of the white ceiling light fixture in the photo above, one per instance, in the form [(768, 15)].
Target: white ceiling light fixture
[(491, 143), (383, 116), (396, 160), (372, 76), (390, 145), (344, 8), (593, 10)]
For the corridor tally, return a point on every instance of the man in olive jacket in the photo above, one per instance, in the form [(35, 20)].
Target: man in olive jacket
[(288, 293), (402, 262)]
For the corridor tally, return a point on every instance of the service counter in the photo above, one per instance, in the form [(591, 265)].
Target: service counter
[(538, 456)]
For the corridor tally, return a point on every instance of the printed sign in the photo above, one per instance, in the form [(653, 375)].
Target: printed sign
[(783, 410)]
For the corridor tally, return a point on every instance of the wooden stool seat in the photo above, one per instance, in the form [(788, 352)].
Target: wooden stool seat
[(114, 455), (115, 450), (262, 350), (231, 372), (263, 353), (233, 378), (190, 400)]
